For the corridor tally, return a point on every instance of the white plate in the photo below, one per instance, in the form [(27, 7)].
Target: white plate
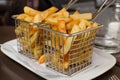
[(102, 62)]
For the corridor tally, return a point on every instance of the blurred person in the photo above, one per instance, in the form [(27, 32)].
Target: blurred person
[(14, 7), (44, 4)]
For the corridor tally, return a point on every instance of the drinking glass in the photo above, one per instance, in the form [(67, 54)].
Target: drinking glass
[(111, 40)]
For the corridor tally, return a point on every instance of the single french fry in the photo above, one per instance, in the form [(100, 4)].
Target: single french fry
[(37, 51), (32, 29), (69, 40), (63, 14), (66, 19), (51, 10), (28, 19), (95, 24), (77, 15), (61, 26), (30, 11), (82, 25), (32, 39), (43, 15), (54, 20), (22, 16), (66, 65), (58, 40), (42, 59), (69, 26)]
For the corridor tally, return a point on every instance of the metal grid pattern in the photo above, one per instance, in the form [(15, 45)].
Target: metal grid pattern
[(28, 37), (55, 45), (79, 55)]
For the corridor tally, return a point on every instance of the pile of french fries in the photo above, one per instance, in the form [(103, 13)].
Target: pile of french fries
[(61, 21)]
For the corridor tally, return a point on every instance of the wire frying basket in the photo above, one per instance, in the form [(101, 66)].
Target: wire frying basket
[(65, 53), (68, 53), (29, 40)]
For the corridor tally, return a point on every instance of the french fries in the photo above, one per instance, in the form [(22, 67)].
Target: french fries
[(42, 59), (38, 52), (22, 16), (69, 40), (61, 21), (43, 15), (30, 11), (77, 15), (63, 14)]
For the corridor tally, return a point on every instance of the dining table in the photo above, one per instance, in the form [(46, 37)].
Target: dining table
[(11, 70)]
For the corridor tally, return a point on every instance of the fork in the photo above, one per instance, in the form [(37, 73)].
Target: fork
[(114, 77)]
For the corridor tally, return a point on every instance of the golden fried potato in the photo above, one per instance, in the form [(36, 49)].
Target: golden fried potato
[(68, 42), (69, 26), (43, 58), (95, 24), (77, 15), (31, 11), (82, 25), (32, 40), (32, 29), (28, 19), (52, 21), (22, 16), (37, 51), (43, 15), (63, 14), (61, 26), (58, 40)]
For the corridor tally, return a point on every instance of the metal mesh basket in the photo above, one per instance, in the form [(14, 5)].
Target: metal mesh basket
[(68, 53), (29, 39)]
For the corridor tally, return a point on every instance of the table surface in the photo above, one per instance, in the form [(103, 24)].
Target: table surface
[(11, 70)]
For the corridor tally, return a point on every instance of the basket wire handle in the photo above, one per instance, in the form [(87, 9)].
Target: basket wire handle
[(98, 12), (70, 3), (102, 8)]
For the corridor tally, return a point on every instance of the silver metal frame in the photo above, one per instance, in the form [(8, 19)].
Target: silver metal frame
[(77, 58)]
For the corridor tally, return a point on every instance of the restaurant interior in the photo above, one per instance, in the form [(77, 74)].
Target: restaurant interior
[(101, 44)]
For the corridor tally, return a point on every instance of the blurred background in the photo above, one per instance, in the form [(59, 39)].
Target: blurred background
[(13, 7), (107, 37)]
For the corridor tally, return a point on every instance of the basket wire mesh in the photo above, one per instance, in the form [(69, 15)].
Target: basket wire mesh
[(79, 55), (28, 39), (66, 53)]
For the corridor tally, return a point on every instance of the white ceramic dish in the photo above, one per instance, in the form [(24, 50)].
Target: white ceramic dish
[(102, 62)]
